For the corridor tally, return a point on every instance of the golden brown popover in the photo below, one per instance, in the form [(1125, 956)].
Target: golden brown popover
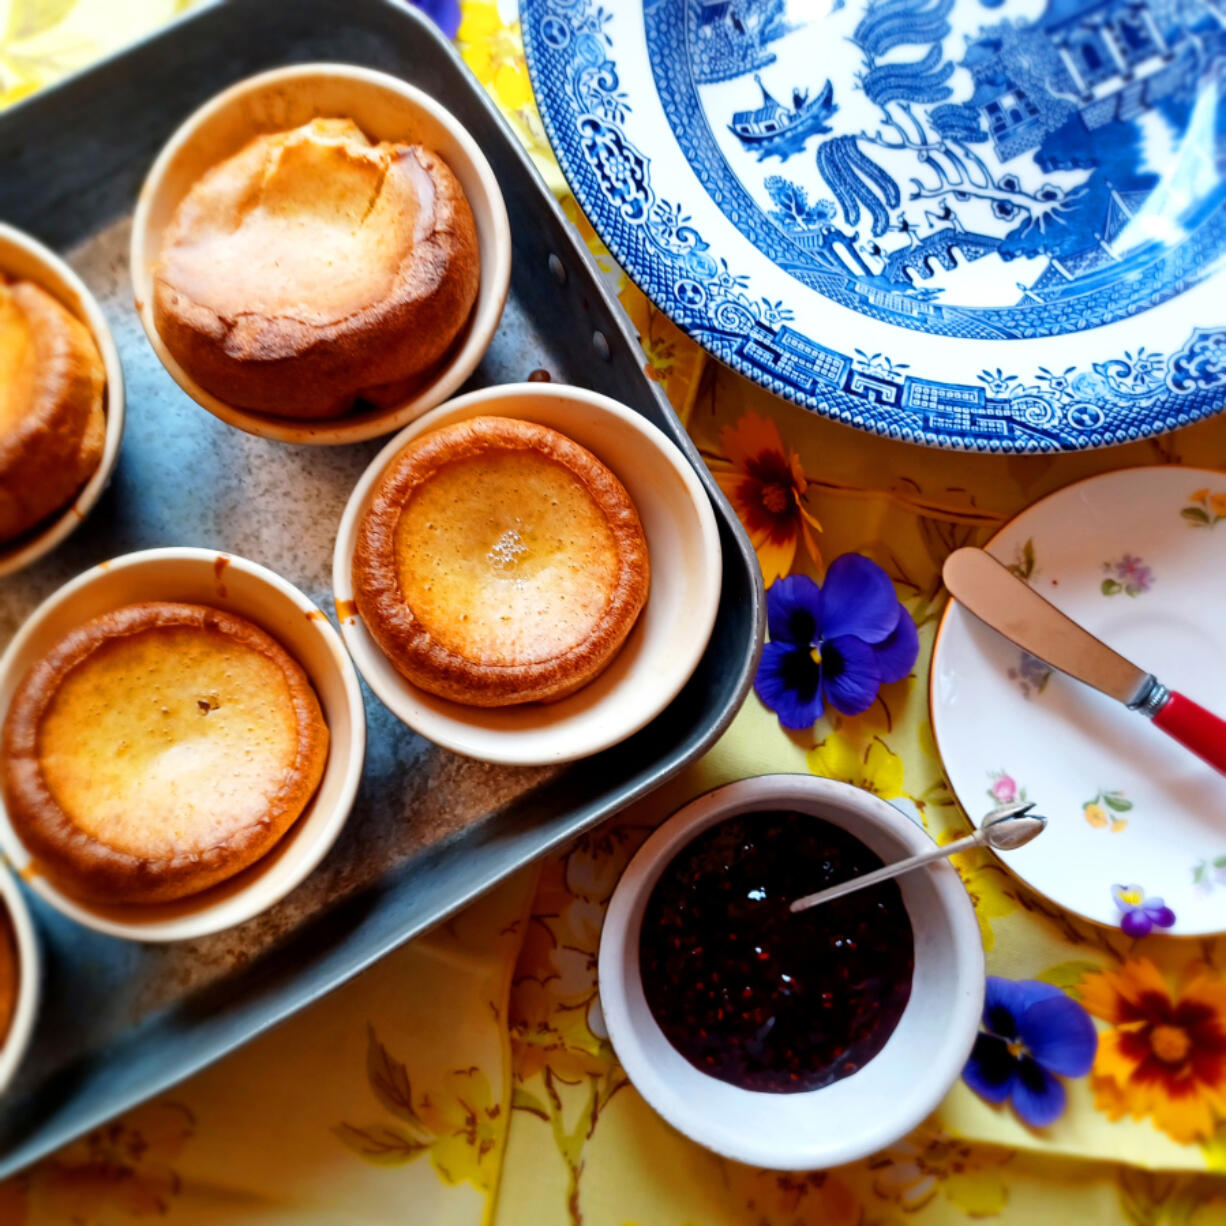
[(159, 749), (314, 268), (499, 562), (52, 420)]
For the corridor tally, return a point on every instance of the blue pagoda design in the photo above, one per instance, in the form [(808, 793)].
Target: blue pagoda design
[(1100, 61), (730, 37)]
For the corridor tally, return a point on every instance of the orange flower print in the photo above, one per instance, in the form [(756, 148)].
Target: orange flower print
[(766, 485), (815, 1198), (1165, 1056), (117, 1173), (931, 1162), (1207, 509), (1103, 811)]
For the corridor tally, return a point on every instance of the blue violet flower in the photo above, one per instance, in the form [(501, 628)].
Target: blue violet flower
[(444, 13), (1139, 915), (836, 644), (1033, 1034)]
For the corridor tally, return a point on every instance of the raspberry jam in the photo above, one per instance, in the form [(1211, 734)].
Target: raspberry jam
[(754, 995)]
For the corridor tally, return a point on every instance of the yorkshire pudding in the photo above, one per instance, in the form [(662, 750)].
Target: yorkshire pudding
[(499, 562), (52, 420), (313, 268), (158, 750)]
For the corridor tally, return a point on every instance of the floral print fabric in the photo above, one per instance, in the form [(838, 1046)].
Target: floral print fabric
[(468, 1079)]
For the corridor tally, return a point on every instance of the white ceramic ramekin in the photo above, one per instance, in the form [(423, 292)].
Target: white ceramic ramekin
[(203, 576), (24, 257), (29, 974), (895, 1090), (385, 108), (662, 650)]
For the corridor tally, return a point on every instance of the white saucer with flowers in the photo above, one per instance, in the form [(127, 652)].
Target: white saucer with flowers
[(1137, 825)]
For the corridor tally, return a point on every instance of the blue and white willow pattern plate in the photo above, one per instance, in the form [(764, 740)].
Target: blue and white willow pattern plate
[(984, 224)]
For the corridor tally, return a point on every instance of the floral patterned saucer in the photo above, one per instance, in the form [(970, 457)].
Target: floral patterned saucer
[(986, 224), (1137, 825)]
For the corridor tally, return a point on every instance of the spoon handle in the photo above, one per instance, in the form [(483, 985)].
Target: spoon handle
[(888, 871)]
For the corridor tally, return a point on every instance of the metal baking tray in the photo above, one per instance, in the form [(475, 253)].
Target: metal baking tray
[(122, 1021)]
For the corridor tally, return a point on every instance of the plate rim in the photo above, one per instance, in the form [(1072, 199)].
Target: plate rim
[(1164, 415), (939, 635)]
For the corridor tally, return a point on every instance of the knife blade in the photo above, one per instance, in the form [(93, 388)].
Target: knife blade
[(1007, 603), (1013, 608)]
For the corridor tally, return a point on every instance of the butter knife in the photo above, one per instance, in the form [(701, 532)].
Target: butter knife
[(989, 590)]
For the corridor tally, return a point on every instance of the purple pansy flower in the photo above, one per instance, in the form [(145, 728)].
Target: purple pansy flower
[(838, 643), (1139, 915), (1033, 1034), (444, 13)]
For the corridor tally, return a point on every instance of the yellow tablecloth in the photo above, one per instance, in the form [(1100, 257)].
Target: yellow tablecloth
[(466, 1078)]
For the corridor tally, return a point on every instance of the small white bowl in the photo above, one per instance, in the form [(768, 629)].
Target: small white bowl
[(385, 108), (13, 1044), (895, 1090), (204, 576), (25, 257), (662, 650)]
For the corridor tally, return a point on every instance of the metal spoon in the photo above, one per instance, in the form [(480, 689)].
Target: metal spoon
[(1003, 829)]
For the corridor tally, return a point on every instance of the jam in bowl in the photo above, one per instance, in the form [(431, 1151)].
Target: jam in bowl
[(757, 996), (792, 1041)]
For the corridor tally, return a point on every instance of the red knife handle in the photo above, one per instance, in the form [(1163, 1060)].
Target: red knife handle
[(1194, 728)]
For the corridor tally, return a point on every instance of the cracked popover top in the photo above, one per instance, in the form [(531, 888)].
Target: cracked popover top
[(314, 268)]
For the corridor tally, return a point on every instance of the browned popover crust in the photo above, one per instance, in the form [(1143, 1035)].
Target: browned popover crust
[(54, 448), (87, 867), (413, 650), (308, 360)]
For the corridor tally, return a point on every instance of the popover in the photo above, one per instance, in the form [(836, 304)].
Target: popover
[(314, 268), (159, 749), (499, 562), (52, 419)]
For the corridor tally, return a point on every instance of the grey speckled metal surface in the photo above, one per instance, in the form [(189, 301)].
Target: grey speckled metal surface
[(430, 830)]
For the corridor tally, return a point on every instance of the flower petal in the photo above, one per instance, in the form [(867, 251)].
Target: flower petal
[(789, 683), (1136, 923), (897, 652), (858, 598), (1158, 913), (806, 535), (446, 13), (749, 438), (1006, 1000), (792, 607), (835, 757), (1121, 996), (1059, 1035), (1037, 1096), (991, 1071), (775, 556), (849, 674)]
